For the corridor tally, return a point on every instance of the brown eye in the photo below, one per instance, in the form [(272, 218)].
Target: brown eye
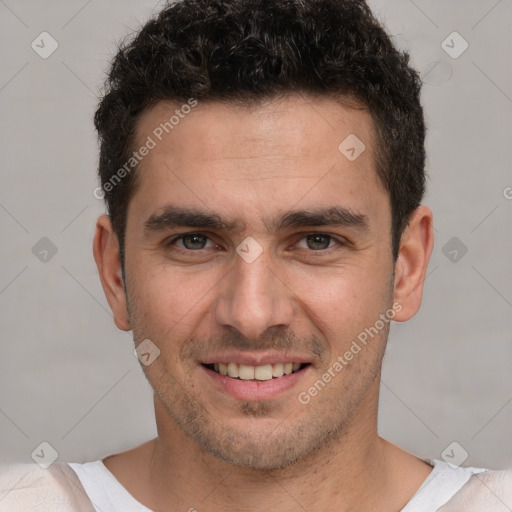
[(194, 241), (191, 241), (318, 242)]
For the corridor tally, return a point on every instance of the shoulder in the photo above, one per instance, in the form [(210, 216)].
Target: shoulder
[(26, 487), (489, 491)]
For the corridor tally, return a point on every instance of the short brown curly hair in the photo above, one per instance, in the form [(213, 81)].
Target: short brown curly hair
[(250, 50)]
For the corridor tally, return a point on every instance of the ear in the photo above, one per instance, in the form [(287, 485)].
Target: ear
[(108, 261), (411, 265)]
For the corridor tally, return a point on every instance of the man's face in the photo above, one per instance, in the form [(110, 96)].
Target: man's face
[(297, 291)]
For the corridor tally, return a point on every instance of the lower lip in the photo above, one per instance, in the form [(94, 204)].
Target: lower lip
[(254, 389)]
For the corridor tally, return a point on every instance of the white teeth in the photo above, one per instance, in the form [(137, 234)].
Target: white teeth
[(263, 372), (249, 372), (277, 370), (246, 372), (233, 370)]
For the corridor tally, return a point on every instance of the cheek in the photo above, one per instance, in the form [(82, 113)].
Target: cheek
[(167, 300), (343, 302)]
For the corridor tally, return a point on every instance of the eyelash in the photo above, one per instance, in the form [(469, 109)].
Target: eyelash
[(319, 252)]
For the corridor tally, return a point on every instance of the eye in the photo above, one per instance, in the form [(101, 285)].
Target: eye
[(191, 241), (318, 242)]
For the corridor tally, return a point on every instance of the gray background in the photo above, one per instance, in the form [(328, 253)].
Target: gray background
[(69, 377)]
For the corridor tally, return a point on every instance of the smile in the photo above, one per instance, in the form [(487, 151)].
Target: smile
[(249, 372)]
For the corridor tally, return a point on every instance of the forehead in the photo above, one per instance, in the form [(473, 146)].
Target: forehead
[(274, 155)]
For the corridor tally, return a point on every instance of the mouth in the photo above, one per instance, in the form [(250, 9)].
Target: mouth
[(247, 372), (255, 376)]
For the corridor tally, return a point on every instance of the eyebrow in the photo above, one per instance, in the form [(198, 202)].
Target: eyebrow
[(171, 217)]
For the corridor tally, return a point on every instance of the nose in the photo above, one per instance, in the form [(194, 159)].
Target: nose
[(253, 297)]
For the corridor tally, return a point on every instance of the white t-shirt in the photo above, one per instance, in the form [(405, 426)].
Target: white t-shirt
[(91, 487)]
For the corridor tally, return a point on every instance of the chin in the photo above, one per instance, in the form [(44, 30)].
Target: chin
[(261, 444), (263, 458)]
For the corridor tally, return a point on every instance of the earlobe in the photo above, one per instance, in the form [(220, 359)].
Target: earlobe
[(411, 266), (106, 255)]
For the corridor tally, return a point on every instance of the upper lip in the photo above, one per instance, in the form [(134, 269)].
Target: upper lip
[(255, 359)]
